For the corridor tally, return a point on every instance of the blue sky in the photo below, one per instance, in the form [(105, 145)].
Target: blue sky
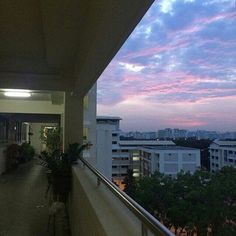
[(177, 69)]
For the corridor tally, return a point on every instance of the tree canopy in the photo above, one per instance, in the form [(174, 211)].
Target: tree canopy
[(198, 203)]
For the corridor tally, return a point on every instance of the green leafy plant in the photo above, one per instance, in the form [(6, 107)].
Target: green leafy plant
[(52, 138), (59, 164), (27, 152)]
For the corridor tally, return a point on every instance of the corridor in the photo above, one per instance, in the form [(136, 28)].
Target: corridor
[(23, 207)]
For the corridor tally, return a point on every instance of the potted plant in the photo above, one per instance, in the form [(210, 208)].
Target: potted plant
[(59, 170), (59, 164)]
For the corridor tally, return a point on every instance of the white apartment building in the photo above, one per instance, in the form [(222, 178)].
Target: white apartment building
[(144, 157), (124, 157), (166, 159), (115, 155), (222, 153), (108, 134)]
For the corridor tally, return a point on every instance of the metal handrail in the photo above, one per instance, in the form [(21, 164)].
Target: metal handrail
[(145, 217)]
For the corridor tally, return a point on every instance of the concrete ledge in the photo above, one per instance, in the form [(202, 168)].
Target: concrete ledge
[(95, 210)]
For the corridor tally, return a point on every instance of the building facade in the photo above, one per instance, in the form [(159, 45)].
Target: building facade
[(168, 160), (222, 153)]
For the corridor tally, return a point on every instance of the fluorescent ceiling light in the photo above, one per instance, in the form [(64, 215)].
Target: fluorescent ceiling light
[(17, 93)]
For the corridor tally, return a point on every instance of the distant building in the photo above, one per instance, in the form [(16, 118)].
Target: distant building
[(222, 153), (168, 160), (108, 133), (117, 155), (123, 157)]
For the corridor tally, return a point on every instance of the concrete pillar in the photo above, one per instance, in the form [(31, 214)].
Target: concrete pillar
[(73, 119)]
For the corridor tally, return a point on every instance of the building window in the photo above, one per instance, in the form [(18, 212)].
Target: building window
[(114, 135), (213, 164), (217, 165), (114, 166), (230, 160), (114, 142), (114, 150), (125, 150), (212, 157), (216, 158)]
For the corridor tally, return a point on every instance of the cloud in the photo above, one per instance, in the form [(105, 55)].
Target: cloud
[(182, 51)]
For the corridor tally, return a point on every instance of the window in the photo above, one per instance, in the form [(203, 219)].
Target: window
[(114, 166), (114, 142), (114, 150), (114, 135), (125, 150), (217, 165), (216, 158)]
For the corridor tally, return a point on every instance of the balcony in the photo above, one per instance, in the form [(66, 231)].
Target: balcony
[(50, 48), (98, 207)]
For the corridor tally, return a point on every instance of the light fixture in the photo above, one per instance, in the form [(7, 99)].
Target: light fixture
[(17, 93)]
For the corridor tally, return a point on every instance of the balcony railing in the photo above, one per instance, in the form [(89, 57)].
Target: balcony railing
[(148, 222)]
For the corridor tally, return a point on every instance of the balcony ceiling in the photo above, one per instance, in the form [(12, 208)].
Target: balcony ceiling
[(62, 45)]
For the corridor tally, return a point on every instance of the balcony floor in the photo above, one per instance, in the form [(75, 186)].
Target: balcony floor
[(23, 208)]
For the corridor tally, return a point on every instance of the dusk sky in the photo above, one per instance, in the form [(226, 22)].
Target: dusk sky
[(177, 69)]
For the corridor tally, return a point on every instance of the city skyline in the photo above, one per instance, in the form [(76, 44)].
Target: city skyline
[(177, 69)]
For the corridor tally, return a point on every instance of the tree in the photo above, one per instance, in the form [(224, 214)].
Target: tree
[(192, 202), (130, 183)]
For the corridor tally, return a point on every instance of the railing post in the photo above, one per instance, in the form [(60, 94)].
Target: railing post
[(98, 181), (144, 230)]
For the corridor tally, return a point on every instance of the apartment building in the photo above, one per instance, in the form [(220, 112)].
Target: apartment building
[(108, 134), (144, 157), (166, 159), (125, 156), (222, 153)]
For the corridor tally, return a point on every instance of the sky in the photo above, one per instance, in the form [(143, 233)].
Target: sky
[(177, 69)]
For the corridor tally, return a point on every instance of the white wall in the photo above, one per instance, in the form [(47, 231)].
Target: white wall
[(104, 150), (90, 111), (95, 210), (23, 106)]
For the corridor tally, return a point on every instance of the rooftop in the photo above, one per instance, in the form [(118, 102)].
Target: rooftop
[(225, 143), (170, 148), (146, 142), (108, 118)]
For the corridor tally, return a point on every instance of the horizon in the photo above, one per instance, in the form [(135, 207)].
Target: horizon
[(173, 72)]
